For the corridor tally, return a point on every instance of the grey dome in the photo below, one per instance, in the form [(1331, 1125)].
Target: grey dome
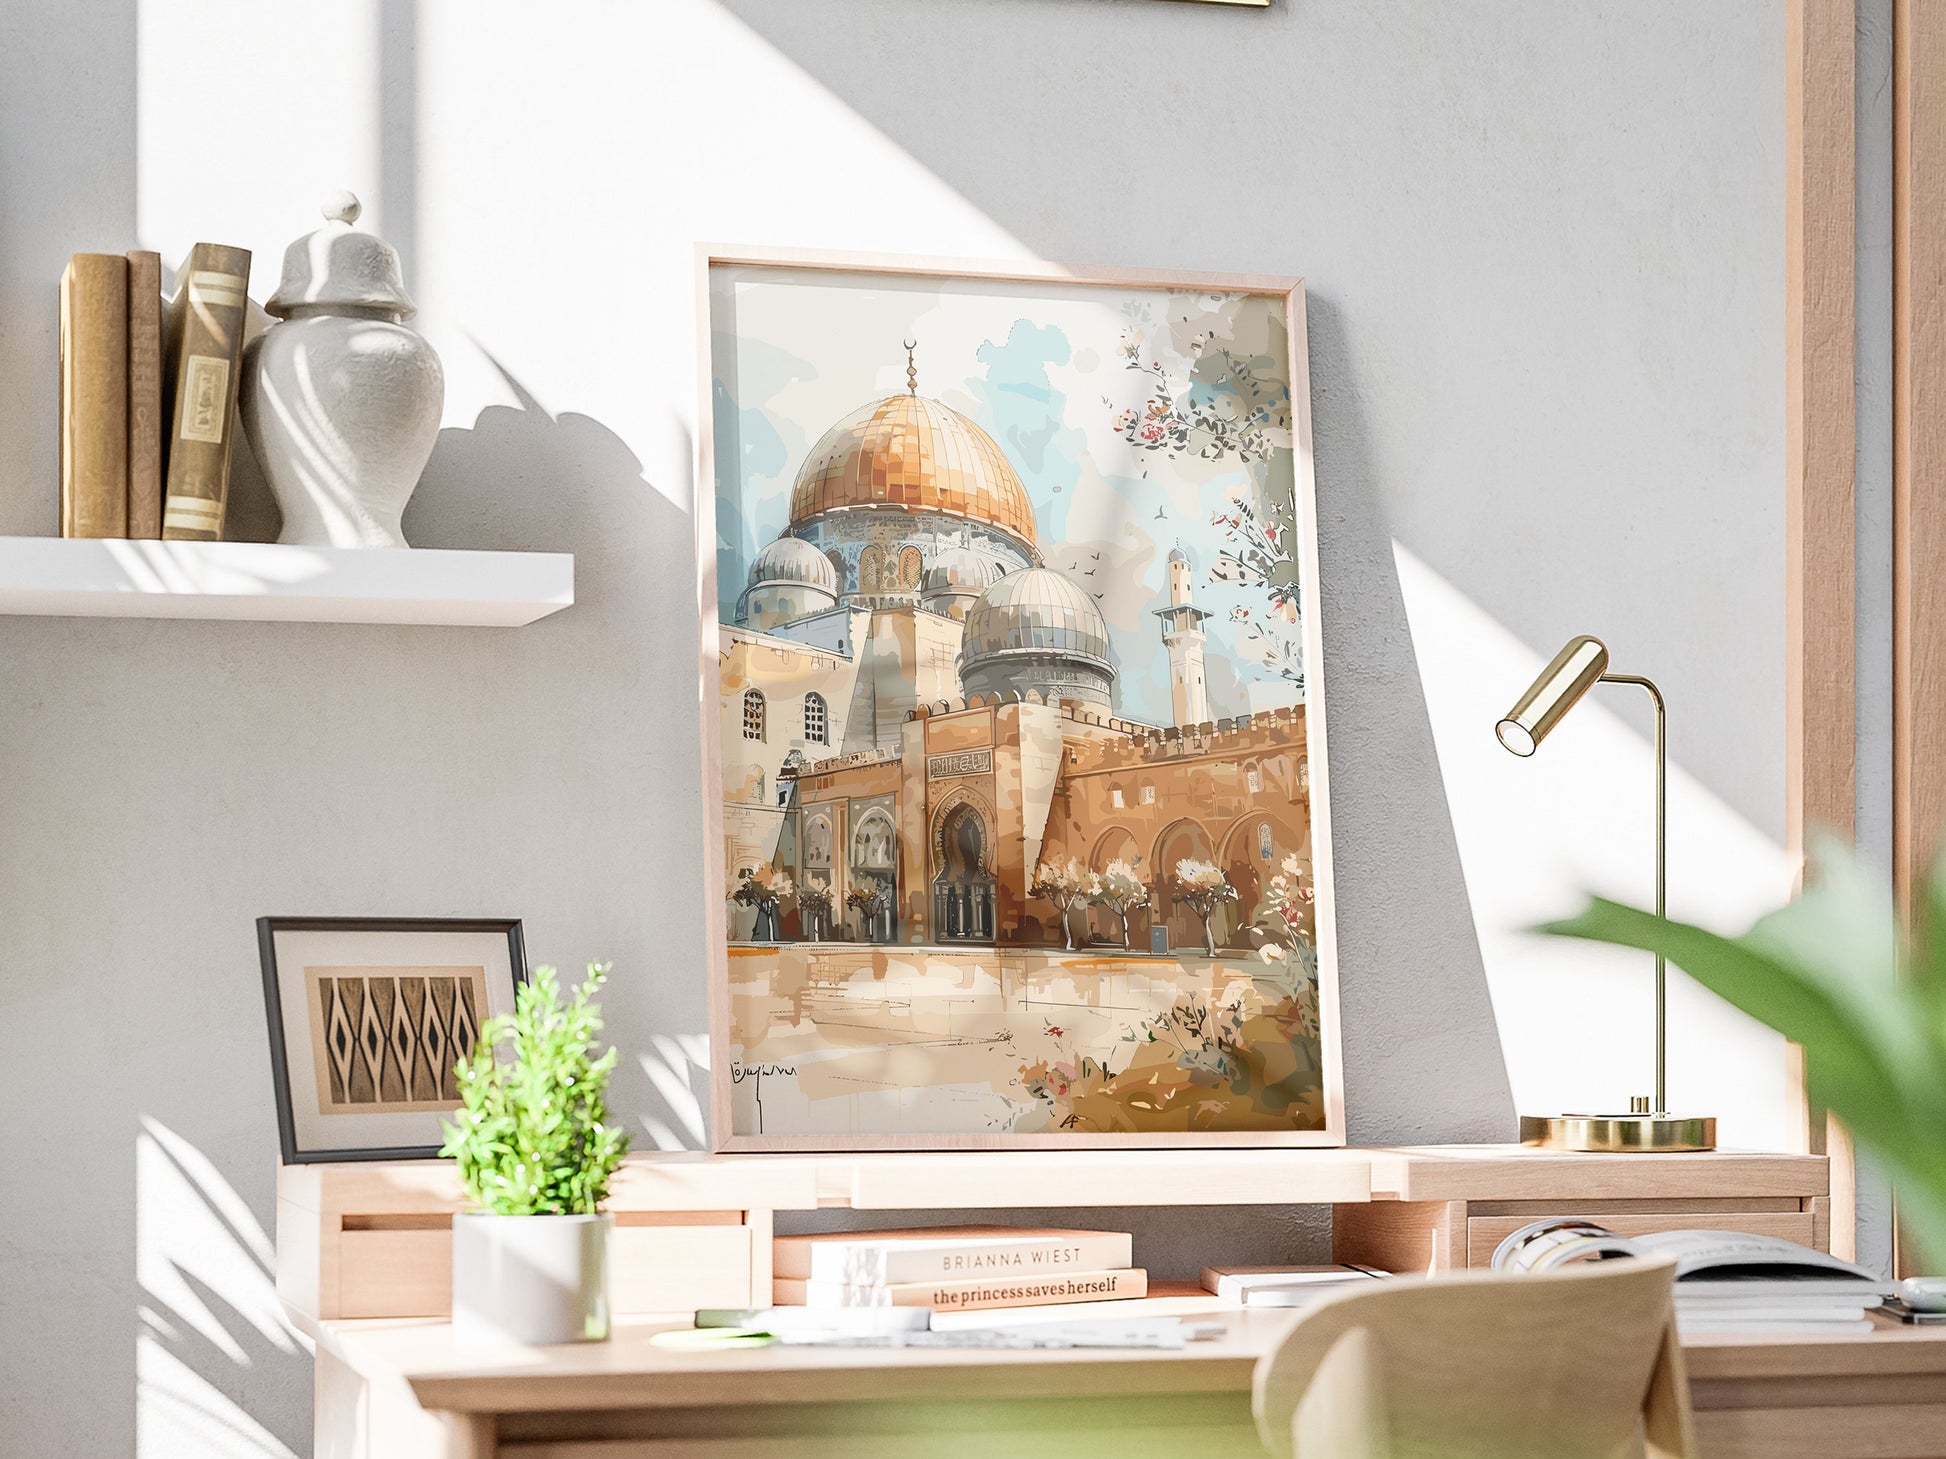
[(1176, 554), (961, 569), (1035, 610), (788, 560)]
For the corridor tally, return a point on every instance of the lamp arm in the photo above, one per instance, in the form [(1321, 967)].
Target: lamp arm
[(1661, 876)]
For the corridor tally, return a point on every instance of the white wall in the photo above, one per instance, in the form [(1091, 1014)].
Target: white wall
[(1544, 248)]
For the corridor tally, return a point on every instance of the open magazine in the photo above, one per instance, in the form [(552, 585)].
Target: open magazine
[(1708, 1263)]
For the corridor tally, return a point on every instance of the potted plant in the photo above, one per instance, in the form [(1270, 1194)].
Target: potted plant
[(814, 904), (1202, 887), (869, 899), (530, 1261), (763, 888)]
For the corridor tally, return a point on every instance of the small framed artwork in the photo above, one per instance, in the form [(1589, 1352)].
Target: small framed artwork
[(368, 1019), (1014, 744)]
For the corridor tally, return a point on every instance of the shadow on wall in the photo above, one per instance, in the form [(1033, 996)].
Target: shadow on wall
[(635, 593), (210, 1335), (1422, 1051)]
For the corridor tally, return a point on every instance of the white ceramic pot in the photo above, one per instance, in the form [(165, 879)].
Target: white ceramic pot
[(530, 1280), (340, 401)]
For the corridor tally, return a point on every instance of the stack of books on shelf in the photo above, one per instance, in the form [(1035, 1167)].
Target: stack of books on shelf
[(1777, 1304), (1726, 1281), (954, 1268), (149, 394)]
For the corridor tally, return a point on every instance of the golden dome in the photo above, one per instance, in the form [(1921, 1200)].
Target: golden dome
[(911, 451)]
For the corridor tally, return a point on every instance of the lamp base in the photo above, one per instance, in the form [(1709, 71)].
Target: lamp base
[(1647, 1134)]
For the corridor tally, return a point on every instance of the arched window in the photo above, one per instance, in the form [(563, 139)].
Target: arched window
[(1253, 779), (816, 719), (753, 714), (868, 570), (873, 841), (910, 564), (1263, 841), (817, 842)]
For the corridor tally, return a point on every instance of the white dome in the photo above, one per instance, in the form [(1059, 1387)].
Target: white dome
[(1036, 608), (961, 569), (788, 560)]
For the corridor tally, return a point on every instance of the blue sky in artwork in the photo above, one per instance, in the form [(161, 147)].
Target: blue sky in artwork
[(1046, 382)]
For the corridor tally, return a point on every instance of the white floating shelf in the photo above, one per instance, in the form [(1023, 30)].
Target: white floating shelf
[(266, 583)]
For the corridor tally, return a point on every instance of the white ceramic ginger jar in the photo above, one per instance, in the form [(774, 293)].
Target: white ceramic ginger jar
[(340, 401)]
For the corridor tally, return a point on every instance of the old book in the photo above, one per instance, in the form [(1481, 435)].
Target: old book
[(206, 320), (968, 1296), (945, 1253), (144, 394), (94, 396)]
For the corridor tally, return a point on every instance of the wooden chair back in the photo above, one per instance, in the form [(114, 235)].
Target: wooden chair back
[(1574, 1364)]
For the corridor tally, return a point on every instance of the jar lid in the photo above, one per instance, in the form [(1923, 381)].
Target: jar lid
[(338, 265)]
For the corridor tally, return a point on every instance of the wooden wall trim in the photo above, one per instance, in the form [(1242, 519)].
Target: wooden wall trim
[(1918, 438), (1918, 454), (1820, 193), (1820, 199)]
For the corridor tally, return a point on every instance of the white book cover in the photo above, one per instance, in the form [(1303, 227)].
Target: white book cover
[(1245, 1284), (1802, 1325), (1775, 1296), (1766, 1311), (891, 1258)]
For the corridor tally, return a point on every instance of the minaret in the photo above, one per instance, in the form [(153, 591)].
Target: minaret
[(1182, 631)]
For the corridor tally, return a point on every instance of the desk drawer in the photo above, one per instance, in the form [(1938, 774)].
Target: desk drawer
[(1484, 1233), (651, 1268)]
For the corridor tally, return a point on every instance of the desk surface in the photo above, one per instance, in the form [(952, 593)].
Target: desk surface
[(629, 1371)]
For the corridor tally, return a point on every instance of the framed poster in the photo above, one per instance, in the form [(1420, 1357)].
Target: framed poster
[(368, 1018), (1014, 726)]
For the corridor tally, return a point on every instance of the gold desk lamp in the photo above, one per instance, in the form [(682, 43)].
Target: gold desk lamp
[(1577, 669)]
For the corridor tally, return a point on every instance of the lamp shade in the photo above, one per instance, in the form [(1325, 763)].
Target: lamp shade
[(1572, 673)]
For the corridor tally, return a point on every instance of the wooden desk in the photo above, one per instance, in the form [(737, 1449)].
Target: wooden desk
[(373, 1239), (398, 1389)]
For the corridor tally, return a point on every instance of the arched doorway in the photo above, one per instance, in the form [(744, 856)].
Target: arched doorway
[(1253, 853), (962, 892), (1184, 841), (874, 863)]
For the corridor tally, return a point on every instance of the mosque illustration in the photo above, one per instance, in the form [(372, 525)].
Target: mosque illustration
[(915, 704)]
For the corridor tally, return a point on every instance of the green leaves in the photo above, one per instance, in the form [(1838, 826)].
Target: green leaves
[(1827, 972), (530, 1135)]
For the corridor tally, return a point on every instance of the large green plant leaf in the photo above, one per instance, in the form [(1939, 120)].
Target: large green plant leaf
[(1825, 972)]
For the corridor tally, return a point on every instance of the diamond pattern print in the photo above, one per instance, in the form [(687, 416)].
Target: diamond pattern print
[(390, 1038)]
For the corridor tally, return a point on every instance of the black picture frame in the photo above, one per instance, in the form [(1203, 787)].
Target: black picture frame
[(267, 930)]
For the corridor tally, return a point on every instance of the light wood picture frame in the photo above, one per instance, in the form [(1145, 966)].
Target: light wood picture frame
[(1016, 794)]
